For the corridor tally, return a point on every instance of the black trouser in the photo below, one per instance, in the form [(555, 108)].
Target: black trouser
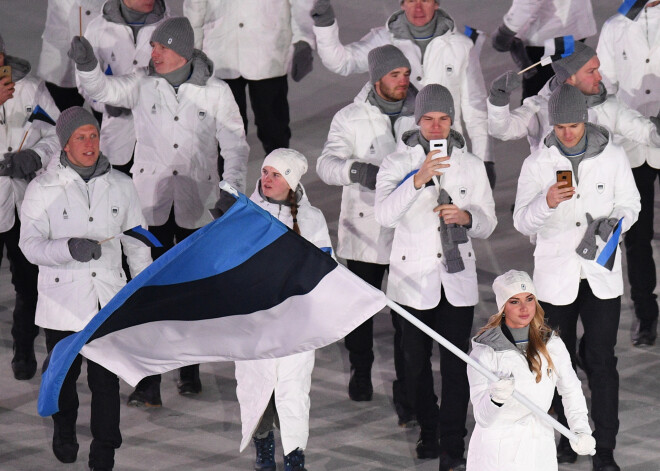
[(104, 420), (65, 97), (639, 253), (454, 324), (600, 319), (270, 106), (168, 234), (24, 279)]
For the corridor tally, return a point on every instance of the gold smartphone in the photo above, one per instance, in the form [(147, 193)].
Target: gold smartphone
[(5, 71), (566, 177)]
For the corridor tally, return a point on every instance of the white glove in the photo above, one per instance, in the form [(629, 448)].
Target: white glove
[(501, 390), (585, 444)]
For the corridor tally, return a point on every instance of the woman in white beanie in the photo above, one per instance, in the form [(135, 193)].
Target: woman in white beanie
[(519, 347), (276, 391)]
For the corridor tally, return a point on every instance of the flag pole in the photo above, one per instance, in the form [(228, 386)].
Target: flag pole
[(480, 368), (528, 68), (23, 141), (80, 19), (105, 240)]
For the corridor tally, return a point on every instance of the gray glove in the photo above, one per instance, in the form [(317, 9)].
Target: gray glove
[(605, 227), (322, 13), (83, 250), (502, 38), (116, 111), (521, 58), (21, 164), (364, 174), (502, 86), (601, 226), (82, 54), (490, 171), (302, 60), (223, 204)]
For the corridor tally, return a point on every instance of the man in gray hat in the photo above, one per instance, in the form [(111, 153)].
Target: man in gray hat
[(436, 205), (361, 135), (580, 70), (79, 200), (182, 113), (26, 145), (571, 224)]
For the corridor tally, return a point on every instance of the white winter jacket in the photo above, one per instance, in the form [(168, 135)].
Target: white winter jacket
[(288, 377), (119, 54), (177, 139), (447, 61), (606, 188), (630, 65), (417, 272), (531, 120), (62, 24), (251, 38), (360, 132), (511, 437), (538, 20), (41, 138), (59, 205)]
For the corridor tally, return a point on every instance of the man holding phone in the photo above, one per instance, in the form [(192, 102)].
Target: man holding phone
[(435, 205), (572, 225)]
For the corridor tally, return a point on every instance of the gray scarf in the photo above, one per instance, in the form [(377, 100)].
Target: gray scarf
[(101, 167)]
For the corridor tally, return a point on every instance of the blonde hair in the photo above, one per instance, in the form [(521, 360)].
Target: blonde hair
[(539, 334)]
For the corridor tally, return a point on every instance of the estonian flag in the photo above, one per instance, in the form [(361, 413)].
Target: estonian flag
[(557, 48), (632, 8), (608, 254), (143, 235), (39, 114), (472, 33), (243, 287)]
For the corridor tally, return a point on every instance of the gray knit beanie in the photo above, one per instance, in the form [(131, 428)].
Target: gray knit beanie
[(384, 59), (433, 97), (568, 66), (567, 104), (176, 34), (70, 120)]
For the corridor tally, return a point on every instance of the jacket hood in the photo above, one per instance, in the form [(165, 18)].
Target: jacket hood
[(202, 69), (398, 26), (19, 67), (597, 139), (597, 99), (408, 104), (454, 141), (112, 12), (495, 339)]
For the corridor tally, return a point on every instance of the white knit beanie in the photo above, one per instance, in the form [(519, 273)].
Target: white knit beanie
[(290, 163), (511, 283)]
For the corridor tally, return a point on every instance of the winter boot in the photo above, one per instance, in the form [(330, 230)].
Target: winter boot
[(565, 454), (295, 461), (147, 397), (189, 383), (603, 460), (448, 463), (65, 444), (24, 363), (265, 453), (359, 386), (427, 445)]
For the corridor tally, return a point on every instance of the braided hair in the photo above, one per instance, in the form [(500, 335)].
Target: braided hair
[(292, 200)]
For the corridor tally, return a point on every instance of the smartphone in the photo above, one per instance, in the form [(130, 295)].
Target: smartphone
[(440, 145), (5, 71), (565, 177)]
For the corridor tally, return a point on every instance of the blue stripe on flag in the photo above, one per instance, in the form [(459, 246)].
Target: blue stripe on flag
[(40, 114), (569, 46), (610, 248), (151, 239), (632, 8)]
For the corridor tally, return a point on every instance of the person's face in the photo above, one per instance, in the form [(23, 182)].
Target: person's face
[(273, 184), (83, 146), (587, 79), (419, 12), (166, 60), (143, 6), (519, 310), (569, 134), (393, 86), (435, 125)]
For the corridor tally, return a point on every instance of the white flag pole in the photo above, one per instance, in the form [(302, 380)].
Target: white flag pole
[(480, 368)]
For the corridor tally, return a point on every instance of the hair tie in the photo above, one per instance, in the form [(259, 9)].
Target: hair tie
[(295, 220)]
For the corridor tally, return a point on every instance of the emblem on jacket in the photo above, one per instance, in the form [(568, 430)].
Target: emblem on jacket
[(112, 56), (201, 114), (372, 150), (462, 191), (153, 109), (28, 110), (65, 215), (449, 69), (625, 57), (600, 187), (115, 211)]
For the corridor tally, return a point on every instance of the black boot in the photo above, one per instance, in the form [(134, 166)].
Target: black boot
[(603, 460), (265, 448), (565, 453), (359, 386), (295, 461), (449, 463), (24, 363), (145, 396), (189, 383), (65, 444), (427, 445)]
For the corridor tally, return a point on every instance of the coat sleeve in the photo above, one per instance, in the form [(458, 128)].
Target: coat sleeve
[(137, 255), (484, 410), (606, 55), (473, 105), (521, 13), (113, 90), (48, 143), (302, 25), (35, 242), (626, 196), (230, 134), (349, 59), (482, 206), (569, 388), (334, 165), (195, 11), (393, 197), (509, 125), (531, 209), (633, 125)]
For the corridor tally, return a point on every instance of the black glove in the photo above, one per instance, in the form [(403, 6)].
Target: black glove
[(521, 58), (364, 174), (116, 111), (82, 54), (302, 60), (502, 38), (223, 204), (502, 86), (490, 171), (83, 250), (322, 13), (21, 164)]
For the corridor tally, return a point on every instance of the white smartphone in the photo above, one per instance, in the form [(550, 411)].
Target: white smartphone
[(439, 145)]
